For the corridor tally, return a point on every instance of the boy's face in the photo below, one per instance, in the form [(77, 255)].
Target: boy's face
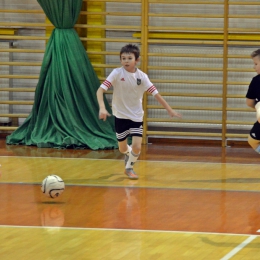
[(256, 61), (128, 61)]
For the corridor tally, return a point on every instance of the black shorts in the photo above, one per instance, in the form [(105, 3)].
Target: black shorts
[(255, 131), (127, 127)]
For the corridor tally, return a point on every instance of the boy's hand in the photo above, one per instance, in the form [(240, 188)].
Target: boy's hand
[(103, 114), (170, 111), (173, 113)]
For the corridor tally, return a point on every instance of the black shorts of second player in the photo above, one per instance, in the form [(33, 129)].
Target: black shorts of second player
[(127, 127), (255, 131)]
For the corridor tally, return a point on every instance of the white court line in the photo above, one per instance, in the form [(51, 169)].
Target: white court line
[(132, 230), (102, 159), (238, 248), (129, 186)]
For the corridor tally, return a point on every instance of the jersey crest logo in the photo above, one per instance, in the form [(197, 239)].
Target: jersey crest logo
[(122, 79), (138, 81)]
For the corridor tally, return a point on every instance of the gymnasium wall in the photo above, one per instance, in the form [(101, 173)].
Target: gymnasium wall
[(21, 57), (197, 53)]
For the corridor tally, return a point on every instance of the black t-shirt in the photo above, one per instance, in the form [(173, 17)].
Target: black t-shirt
[(253, 91)]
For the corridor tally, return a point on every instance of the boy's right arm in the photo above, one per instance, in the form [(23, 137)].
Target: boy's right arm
[(103, 114)]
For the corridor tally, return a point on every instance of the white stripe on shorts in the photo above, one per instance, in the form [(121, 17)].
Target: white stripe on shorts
[(136, 131), (122, 135)]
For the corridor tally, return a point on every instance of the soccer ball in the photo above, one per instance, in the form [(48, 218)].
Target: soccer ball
[(53, 186)]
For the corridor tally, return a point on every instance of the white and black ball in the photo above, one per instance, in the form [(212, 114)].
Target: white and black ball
[(53, 186)]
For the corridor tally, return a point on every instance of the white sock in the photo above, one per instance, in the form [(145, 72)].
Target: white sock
[(257, 149), (132, 159), (129, 150)]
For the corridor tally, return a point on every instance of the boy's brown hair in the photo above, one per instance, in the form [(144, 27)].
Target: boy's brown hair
[(131, 48), (255, 53)]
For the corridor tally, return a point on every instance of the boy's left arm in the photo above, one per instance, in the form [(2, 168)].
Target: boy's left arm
[(250, 102), (163, 102)]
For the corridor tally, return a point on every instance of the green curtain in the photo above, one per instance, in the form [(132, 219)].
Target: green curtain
[(65, 110)]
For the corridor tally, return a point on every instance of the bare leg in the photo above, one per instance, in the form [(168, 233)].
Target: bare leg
[(254, 144)]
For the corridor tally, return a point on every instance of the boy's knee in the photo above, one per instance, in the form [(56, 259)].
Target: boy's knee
[(136, 149), (255, 144), (122, 149)]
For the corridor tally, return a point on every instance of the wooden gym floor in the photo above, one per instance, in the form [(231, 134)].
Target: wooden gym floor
[(193, 201)]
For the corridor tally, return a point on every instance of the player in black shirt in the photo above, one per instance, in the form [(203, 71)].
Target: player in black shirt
[(252, 100)]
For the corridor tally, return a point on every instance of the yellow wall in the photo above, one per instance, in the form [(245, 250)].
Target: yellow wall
[(95, 33)]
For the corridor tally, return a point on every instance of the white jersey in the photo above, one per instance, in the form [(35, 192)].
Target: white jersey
[(128, 90)]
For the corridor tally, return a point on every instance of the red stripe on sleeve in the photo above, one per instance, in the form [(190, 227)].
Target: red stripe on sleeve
[(107, 84), (151, 89)]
